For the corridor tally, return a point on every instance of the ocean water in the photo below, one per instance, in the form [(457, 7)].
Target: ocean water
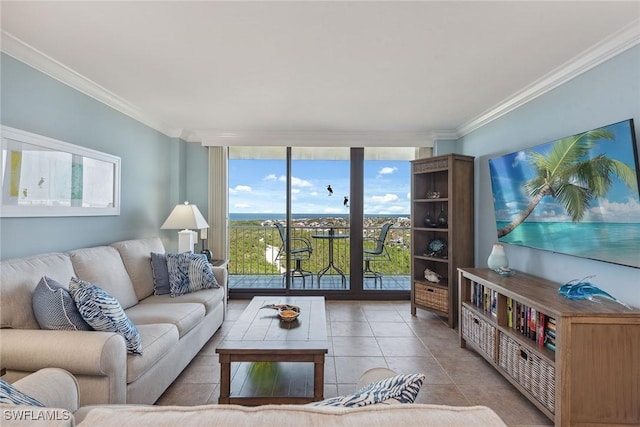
[(611, 242)]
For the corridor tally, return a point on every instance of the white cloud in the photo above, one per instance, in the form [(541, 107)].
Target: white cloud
[(296, 182), (270, 177), (295, 190), (242, 205), (520, 157), (615, 211), (240, 189), (387, 198), (387, 170)]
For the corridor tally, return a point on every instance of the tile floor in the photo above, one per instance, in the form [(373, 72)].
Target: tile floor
[(364, 335)]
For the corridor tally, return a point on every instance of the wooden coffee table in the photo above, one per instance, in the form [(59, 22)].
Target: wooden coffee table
[(260, 336)]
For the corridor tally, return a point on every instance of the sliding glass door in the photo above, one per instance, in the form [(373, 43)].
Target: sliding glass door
[(386, 219), (320, 187), (257, 202), (301, 220)]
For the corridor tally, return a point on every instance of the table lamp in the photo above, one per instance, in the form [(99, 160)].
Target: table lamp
[(185, 217)]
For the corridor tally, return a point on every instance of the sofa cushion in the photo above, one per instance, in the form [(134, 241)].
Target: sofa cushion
[(210, 298), (160, 274), (136, 257), (103, 312), (54, 307), (11, 395), (159, 339), (189, 273), (18, 279), (184, 316), (402, 388), (104, 265)]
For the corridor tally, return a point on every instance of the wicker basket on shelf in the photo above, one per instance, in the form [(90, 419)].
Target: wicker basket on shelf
[(531, 371)]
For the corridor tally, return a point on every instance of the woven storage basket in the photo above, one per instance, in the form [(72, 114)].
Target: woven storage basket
[(481, 333), (531, 371), (432, 296)]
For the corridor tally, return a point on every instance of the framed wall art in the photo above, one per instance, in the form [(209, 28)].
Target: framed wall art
[(42, 177)]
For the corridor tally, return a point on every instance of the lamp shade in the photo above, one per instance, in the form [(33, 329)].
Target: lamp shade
[(185, 217)]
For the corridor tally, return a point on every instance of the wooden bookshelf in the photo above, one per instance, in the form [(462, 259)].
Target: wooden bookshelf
[(441, 187), (592, 377)]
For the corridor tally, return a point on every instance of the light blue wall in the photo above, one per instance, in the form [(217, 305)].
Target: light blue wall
[(197, 176), (154, 176), (606, 94)]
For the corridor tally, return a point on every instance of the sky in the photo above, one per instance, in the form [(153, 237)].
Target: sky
[(259, 186), (509, 172)]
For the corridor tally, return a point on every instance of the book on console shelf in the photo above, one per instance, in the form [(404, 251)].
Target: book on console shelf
[(550, 334)]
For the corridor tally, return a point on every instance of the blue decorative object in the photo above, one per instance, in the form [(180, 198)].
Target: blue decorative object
[(583, 289), (436, 247)]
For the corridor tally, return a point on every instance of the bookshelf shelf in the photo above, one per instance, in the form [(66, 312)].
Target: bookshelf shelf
[(589, 376)]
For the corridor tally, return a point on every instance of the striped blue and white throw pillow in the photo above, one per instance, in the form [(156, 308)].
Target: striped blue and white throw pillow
[(104, 313), (54, 307), (189, 272), (12, 396), (402, 388)]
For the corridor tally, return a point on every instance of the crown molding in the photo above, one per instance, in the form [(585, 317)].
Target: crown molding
[(614, 45), (440, 135), (184, 134), (316, 139), (34, 58)]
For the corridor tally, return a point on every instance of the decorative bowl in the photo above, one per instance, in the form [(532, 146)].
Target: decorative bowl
[(288, 315)]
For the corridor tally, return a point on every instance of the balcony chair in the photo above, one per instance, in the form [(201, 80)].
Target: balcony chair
[(300, 251), (376, 253)]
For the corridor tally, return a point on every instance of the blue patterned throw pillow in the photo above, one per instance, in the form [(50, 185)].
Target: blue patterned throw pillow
[(54, 308), (12, 396), (189, 272), (104, 313), (402, 388)]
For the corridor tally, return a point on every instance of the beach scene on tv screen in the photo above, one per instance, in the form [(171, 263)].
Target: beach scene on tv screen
[(576, 195)]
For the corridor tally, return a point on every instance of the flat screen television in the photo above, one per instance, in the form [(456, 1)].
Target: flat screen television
[(576, 195)]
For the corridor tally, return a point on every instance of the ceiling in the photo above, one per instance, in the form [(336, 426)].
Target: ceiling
[(209, 69)]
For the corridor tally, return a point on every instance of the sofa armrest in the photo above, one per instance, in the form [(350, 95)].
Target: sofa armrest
[(221, 274), (53, 387), (91, 356)]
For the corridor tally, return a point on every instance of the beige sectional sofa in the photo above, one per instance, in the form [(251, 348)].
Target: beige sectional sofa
[(57, 390), (172, 329)]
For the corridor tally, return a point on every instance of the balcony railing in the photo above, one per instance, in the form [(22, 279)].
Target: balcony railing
[(254, 250)]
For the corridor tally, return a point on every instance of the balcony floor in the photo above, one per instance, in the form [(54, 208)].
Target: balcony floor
[(329, 282)]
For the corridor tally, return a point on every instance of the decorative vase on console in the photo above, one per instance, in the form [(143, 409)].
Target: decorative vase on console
[(498, 260)]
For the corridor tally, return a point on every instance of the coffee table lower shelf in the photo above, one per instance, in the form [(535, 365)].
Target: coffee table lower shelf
[(230, 355)]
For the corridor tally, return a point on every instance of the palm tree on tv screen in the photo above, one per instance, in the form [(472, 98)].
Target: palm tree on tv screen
[(570, 176)]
